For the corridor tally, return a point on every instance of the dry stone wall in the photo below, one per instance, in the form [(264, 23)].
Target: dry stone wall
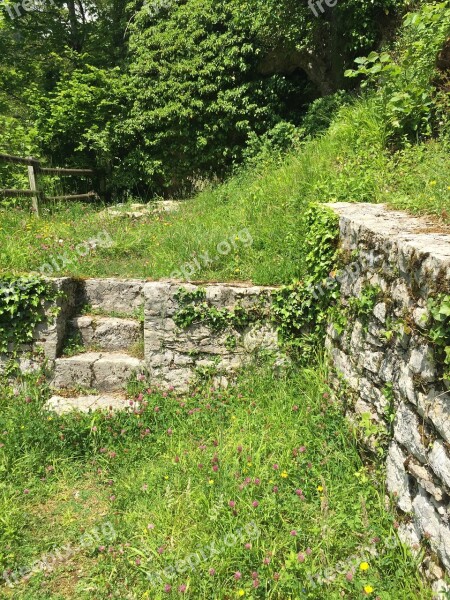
[(174, 355), (110, 316), (380, 345)]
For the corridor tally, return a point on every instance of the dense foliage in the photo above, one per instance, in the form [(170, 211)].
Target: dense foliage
[(163, 94)]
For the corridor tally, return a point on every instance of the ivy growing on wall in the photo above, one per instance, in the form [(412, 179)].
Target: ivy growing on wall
[(300, 310), (22, 301), (439, 331), (194, 308)]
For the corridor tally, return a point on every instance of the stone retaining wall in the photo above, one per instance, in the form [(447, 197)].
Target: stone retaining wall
[(174, 355), (389, 364)]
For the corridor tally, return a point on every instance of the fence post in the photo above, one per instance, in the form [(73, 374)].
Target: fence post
[(33, 179)]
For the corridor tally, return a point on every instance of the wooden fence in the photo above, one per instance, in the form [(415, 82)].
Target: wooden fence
[(35, 170)]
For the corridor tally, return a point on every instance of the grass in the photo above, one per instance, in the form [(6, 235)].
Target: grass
[(259, 489), (251, 226)]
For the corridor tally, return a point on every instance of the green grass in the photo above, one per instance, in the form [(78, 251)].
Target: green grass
[(263, 205), (166, 478)]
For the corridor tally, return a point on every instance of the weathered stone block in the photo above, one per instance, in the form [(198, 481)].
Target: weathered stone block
[(406, 432), (397, 480)]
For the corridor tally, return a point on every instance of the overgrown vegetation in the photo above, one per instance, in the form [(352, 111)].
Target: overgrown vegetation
[(272, 458), (22, 307)]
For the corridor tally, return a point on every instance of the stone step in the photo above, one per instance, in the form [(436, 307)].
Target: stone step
[(107, 333), (112, 295), (102, 371), (62, 404)]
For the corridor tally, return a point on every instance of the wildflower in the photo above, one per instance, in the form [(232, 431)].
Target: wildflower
[(101, 548), (299, 492), (301, 557), (177, 459), (349, 576), (241, 593), (182, 588), (237, 575), (26, 491), (266, 561), (294, 532), (275, 489), (319, 488), (150, 526), (257, 481), (364, 566), (211, 481), (295, 408), (284, 475), (248, 546), (276, 576), (302, 449), (215, 468), (308, 551), (255, 503), (144, 487), (239, 449), (138, 561), (212, 572), (231, 503), (169, 431), (255, 583), (167, 588), (160, 550), (275, 466), (254, 575), (249, 464), (368, 589)]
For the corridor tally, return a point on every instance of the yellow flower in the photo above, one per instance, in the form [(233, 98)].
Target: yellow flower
[(211, 481), (364, 566), (233, 417), (166, 477), (433, 182), (241, 593), (368, 589), (319, 488), (284, 474), (249, 464)]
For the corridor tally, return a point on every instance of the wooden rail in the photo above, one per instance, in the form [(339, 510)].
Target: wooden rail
[(34, 171)]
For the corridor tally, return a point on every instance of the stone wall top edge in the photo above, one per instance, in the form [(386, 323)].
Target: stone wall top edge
[(396, 227), (180, 282)]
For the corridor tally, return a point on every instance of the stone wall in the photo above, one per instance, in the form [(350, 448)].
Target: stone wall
[(107, 314), (174, 355), (393, 373)]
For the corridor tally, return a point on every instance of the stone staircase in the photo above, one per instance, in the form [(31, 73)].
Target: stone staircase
[(96, 376)]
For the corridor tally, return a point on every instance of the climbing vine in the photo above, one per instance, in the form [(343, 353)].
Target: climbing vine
[(300, 310), (439, 331), (194, 308), (22, 301)]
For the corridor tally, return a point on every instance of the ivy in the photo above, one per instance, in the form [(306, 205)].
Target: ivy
[(194, 309), (439, 331), (300, 310), (22, 302), (362, 306)]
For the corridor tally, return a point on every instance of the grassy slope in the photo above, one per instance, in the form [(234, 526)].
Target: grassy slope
[(82, 471), (349, 163)]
